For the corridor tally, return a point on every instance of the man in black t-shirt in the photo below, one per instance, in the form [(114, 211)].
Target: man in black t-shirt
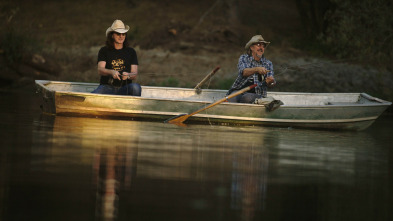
[(117, 63)]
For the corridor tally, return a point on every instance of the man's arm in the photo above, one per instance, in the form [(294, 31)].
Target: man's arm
[(107, 72), (250, 71), (133, 74)]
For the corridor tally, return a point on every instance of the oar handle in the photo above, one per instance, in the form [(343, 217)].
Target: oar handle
[(225, 98), (207, 77), (182, 117), (240, 92)]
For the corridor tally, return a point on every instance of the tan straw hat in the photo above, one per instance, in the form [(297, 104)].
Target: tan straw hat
[(118, 26), (256, 39)]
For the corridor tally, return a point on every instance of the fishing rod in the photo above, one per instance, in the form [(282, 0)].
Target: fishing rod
[(303, 66), (299, 68), (284, 68)]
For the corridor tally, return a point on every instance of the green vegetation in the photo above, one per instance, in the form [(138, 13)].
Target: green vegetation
[(170, 82), (360, 30), (222, 83), (14, 45)]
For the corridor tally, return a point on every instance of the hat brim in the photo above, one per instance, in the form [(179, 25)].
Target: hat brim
[(251, 43), (118, 30)]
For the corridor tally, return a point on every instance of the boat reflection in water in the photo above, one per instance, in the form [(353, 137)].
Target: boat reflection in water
[(169, 169), (113, 169), (114, 157), (147, 170)]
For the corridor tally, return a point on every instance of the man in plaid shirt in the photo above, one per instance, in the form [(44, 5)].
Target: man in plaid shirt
[(253, 68)]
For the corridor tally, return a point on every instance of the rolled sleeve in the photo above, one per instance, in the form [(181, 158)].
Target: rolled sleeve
[(243, 64)]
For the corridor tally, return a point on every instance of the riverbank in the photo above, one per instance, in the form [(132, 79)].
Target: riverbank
[(295, 71)]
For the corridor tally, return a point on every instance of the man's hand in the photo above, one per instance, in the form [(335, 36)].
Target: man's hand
[(116, 75), (261, 70), (270, 81), (129, 76)]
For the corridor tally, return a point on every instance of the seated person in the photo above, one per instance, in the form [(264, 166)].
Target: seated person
[(117, 63), (253, 68)]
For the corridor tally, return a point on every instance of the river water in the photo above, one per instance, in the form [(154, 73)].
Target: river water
[(71, 168)]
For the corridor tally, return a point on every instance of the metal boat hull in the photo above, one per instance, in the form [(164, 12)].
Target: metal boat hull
[(344, 111)]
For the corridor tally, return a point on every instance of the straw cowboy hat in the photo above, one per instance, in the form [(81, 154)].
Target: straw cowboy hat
[(118, 26), (256, 39)]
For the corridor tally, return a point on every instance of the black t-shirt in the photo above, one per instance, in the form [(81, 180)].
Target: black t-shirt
[(119, 60)]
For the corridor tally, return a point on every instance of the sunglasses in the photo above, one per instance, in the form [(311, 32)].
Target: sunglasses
[(263, 45), (120, 34)]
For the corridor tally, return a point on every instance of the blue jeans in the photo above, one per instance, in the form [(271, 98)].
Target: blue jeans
[(133, 89), (244, 98)]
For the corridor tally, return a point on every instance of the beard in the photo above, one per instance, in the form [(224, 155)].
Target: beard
[(260, 54)]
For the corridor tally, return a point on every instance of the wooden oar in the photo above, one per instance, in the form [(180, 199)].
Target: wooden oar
[(182, 117), (198, 87)]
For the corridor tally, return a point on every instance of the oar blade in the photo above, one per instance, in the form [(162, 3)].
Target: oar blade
[(177, 119), (179, 124)]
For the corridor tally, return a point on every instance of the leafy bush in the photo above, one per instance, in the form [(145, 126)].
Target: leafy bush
[(360, 29), (15, 45), (357, 29)]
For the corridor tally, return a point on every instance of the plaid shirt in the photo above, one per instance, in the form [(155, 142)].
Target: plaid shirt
[(247, 61)]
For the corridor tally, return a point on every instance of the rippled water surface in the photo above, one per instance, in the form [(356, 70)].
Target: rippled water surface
[(70, 168)]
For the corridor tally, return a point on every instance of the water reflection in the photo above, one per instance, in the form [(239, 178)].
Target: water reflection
[(113, 170), (115, 151), (249, 181), (322, 153), (135, 150), (122, 170), (331, 175)]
